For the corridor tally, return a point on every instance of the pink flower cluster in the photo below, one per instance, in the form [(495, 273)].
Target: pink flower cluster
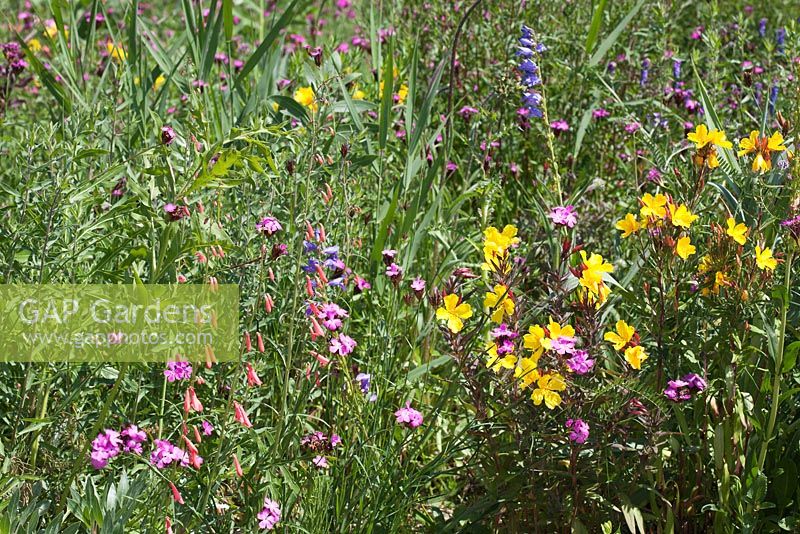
[(408, 416), (681, 390), (270, 515), (110, 443)]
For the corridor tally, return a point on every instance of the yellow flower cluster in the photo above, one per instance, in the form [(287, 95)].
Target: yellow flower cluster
[(592, 270), (626, 339), (763, 147), (706, 142), (655, 212), (495, 248)]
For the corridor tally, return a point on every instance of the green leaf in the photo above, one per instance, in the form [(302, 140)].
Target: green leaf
[(609, 41), (790, 357), (419, 372), (386, 98), (594, 28)]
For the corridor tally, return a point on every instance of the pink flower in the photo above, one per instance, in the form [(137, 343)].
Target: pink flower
[(342, 345), (270, 515), (240, 415), (579, 430), (580, 364), (408, 416), (564, 216)]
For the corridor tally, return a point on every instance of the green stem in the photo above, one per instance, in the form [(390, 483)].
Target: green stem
[(776, 377)]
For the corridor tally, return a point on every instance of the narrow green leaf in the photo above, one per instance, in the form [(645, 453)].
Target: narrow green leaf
[(609, 41), (387, 78), (594, 28)]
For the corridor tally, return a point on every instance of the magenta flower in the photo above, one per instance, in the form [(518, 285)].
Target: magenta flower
[(331, 315), (208, 428), (559, 126), (320, 462), (467, 111), (418, 285), (632, 127), (105, 446), (167, 135), (166, 453), (579, 430), (600, 113), (269, 225), (681, 390), (580, 364), (178, 371), (408, 416), (395, 272), (564, 216), (270, 515), (342, 345), (563, 345), (132, 439)]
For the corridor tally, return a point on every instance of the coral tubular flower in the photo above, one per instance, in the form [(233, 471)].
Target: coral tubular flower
[(629, 225), (454, 313), (763, 147), (240, 415), (622, 336), (764, 259), (684, 248), (738, 232), (499, 303), (546, 390)]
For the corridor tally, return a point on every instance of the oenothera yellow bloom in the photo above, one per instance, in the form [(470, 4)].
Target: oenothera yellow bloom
[(763, 147), (454, 313), (556, 331), (35, 45), (496, 245), (764, 259), (115, 51), (736, 231), (358, 94), (534, 341), (592, 274), (629, 225), (683, 217), (622, 336), (635, 356), (653, 206), (402, 93), (702, 137), (305, 97), (546, 388), (159, 82), (684, 248), (526, 372), (497, 362), (499, 303)]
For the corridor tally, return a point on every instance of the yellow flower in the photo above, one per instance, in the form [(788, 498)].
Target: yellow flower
[(402, 93), (116, 51), (275, 106), (719, 280), (496, 245), (305, 97), (622, 336), (629, 225), (683, 217), (592, 275), (635, 356), (702, 137), (51, 30), (496, 362), (499, 303), (653, 206), (763, 147), (547, 386), (35, 45), (358, 94), (453, 313), (737, 231), (764, 259), (526, 372), (684, 248), (534, 341), (556, 331), (159, 82)]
